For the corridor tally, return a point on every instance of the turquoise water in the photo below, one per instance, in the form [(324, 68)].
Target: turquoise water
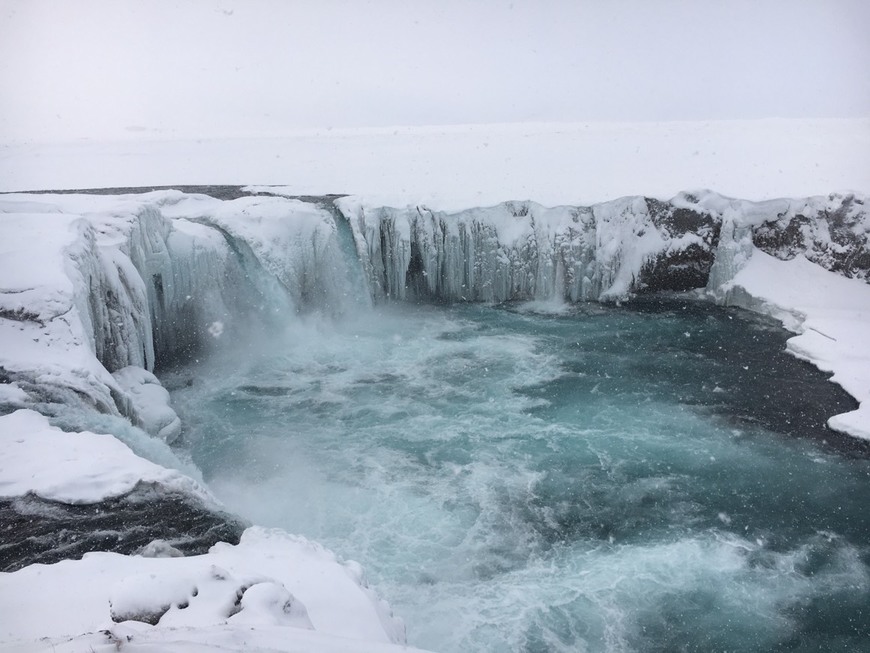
[(652, 477)]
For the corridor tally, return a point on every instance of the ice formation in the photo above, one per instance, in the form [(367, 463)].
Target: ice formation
[(96, 292), (139, 281)]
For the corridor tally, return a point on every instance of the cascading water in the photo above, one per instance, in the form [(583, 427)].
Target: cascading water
[(642, 478)]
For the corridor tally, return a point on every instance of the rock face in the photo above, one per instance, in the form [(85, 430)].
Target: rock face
[(834, 233), (683, 268), (37, 530), (523, 251)]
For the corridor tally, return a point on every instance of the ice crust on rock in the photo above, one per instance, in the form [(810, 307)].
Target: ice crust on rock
[(524, 251), (150, 402)]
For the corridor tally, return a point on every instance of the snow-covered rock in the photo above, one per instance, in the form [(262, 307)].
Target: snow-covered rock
[(150, 402), (832, 231), (829, 312), (64, 494), (269, 580), (524, 251), (40, 459)]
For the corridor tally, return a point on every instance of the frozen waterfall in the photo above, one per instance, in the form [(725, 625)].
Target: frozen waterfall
[(147, 280)]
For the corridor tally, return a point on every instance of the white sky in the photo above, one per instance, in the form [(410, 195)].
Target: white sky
[(106, 69)]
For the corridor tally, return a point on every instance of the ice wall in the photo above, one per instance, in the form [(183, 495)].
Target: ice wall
[(90, 285), (524, 251)]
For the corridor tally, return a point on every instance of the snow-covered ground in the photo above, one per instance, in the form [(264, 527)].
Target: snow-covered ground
[(41, 459), (456, 167), (272, 591)]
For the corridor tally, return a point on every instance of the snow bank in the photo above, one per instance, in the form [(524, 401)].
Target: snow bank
[(42, 328), (272, 591), (223, 637), (270, 579), (830, 313), (85, 467)]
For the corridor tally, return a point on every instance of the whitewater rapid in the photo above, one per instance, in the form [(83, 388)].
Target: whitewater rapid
[(593, 479)]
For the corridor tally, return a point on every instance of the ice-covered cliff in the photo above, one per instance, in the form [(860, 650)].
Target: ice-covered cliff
[(521, 250), (94, 284)]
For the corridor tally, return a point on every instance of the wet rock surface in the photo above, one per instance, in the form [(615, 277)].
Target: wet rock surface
[(38, 531)]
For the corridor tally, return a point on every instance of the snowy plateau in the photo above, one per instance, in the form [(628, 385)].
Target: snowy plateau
[(99, 290)]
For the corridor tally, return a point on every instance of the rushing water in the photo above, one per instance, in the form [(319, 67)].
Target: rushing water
[(655, 477)]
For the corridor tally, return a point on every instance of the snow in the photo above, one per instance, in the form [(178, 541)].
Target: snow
[(44, 288), (150, 401), (830, 313), (75, 467), (450, 168), (223, 637), (11, 395), (272, 591)]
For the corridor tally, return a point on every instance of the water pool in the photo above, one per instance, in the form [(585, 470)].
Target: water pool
[(648, 477)]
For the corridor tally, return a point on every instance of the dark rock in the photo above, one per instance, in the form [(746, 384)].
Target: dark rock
[(834, 234), (681, 268), (35, 530)]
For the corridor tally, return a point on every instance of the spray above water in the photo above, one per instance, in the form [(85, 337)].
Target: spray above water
[(581, 479)]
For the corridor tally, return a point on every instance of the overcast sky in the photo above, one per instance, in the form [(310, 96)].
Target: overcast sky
[(108, 68)]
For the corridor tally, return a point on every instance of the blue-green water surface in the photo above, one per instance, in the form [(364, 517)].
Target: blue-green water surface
[(652, 477)]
